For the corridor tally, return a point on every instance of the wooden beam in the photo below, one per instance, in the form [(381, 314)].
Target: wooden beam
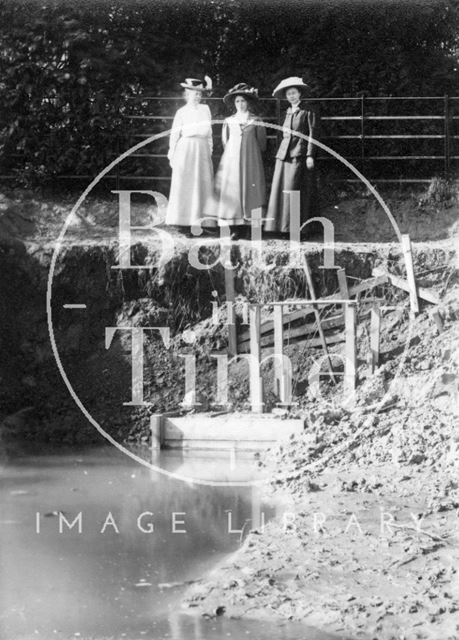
[(425, 294), (279, 377), (267, 342), (291, 333), (407, 252), (375, 336), (157, 431), (268, 325), (312, 294), (342, 283), (256, 382), (230, 311), (367, 284), (350, 365)]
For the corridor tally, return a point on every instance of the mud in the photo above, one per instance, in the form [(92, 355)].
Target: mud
[(366, 541), (333, 558)]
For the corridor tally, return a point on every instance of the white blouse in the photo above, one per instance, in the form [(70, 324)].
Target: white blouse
[(189, 121), (234, 125)]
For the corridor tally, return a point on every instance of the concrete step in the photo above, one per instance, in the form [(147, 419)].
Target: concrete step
[(237, 431)]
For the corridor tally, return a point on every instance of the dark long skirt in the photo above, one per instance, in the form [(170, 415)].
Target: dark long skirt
[(291, 175)]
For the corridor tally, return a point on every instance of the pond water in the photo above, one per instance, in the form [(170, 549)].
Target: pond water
[(105, 577)]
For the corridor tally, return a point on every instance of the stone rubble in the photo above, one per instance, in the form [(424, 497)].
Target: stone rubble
[(370, 544)]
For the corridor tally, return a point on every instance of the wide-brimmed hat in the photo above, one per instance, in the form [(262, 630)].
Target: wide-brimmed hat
[(293, 81), (241, 89), (197, 84)]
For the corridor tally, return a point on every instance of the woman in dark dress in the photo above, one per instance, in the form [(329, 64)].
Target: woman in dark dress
[(240, 186), (295, 164)]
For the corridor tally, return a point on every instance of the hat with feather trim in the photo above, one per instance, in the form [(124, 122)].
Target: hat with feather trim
[(197, 84), (241, 89)]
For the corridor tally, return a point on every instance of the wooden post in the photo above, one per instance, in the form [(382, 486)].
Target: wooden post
[(312, 293), (375, 334), (157, 431), (256, 382), (281, 380), (230, 312), (406, 247), (350, 366), (342, 283)]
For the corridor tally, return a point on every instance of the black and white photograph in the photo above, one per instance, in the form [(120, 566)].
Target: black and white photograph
[(229, 319)]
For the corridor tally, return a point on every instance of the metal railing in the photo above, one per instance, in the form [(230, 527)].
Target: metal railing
[(420, 143), (352, 127)]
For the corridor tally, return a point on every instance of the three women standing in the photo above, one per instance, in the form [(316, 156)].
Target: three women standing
[(240, 186)]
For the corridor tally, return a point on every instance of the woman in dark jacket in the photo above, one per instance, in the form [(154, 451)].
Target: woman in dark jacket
[(295, 164)]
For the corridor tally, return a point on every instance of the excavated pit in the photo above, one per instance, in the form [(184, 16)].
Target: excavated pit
[(178, 296)]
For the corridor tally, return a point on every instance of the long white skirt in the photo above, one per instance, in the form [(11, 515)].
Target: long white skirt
[(192, 182), (228, 184)]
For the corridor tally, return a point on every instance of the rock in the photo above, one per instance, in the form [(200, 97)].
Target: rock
[(416, 458)]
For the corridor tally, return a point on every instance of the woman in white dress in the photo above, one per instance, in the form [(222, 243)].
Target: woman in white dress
[(190, 151), (240, 179)]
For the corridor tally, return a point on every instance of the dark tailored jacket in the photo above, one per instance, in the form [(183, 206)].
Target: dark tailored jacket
[(305, 121)]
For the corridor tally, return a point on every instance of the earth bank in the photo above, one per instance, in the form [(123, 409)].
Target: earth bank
[(336, 560), (366, 543)]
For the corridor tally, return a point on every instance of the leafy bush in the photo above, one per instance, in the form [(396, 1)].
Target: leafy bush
[(67, 71)]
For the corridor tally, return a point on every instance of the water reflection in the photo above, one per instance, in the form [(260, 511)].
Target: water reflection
[(116, 573)]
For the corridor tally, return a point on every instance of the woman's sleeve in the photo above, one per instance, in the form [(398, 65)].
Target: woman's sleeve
[(174, 136), (261, 136)]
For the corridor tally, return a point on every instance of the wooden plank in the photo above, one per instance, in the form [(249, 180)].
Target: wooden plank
[(256, 383), (375, 336), (425, 294), (312, 294), (267, 342), (268, 325), (407, 252), (279, 372), (157, 431), (245, 313), (231, 314), (230, 428), (350, 365), (370, 283), (342, 283), (295, 332)]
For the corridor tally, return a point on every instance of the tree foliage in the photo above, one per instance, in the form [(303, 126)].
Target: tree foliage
[(68, 70)]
